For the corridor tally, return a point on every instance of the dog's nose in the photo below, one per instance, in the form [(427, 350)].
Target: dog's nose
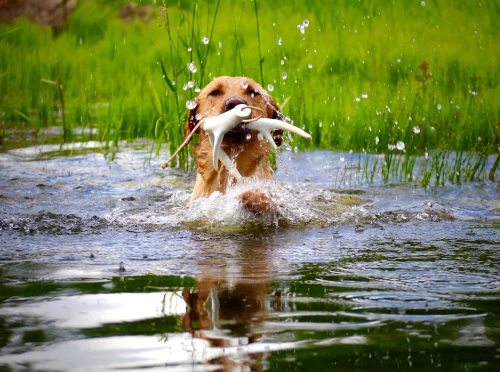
[(232, 102)]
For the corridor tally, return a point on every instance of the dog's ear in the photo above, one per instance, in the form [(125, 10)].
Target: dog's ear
[(273, 112), (191, 122)]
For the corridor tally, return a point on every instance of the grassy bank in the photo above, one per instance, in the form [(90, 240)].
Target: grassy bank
[(402, 78)]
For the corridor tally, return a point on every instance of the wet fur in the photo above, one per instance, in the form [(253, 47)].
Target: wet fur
[(251, 154)]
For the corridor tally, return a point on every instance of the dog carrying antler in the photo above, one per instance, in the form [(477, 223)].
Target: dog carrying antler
[(234, 118)]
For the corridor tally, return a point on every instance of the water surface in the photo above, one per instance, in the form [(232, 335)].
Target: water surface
[(103, 267)]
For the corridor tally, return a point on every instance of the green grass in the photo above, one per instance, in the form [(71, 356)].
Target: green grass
[(114, 83)]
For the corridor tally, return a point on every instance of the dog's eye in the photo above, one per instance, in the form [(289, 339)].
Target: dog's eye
[(215, 93)]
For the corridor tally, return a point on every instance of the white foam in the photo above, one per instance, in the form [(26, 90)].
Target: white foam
[(294, 207)]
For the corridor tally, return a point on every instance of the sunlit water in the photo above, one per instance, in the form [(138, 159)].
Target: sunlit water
[(103, 267)]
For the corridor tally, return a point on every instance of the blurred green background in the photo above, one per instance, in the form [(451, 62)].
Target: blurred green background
[(393, 77)]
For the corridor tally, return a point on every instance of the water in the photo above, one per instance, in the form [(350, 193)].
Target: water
[(104, 268)]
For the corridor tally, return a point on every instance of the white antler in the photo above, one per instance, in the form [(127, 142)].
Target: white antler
[(266, 126), (217, 126)]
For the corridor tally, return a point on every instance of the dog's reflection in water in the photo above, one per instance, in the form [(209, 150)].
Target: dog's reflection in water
[(232, 299)]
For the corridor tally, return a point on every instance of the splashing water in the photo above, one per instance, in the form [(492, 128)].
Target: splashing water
[(189, 85), (294, 207), (192, 67), (191, 105)]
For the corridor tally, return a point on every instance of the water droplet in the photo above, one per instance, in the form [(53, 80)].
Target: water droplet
[(364, 95), (358, 99), (270, 87), (422, 3), (249, 135), (190, 49), (473, 93), (166, 92), (310, 65), (197, 89), (192, 67), (244, 84), (342, 158), (199, 116), (284, 75), (416, 129), (282, 62), (426, 155), (220, 44), (295, 149), (205, 40), (306, 23), (280, 41), (320, 124), (439, 106), (301, 28), (191, 105), (399, 60), (377, 140), (400, 145)]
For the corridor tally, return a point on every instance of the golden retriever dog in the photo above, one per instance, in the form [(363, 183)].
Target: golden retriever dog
[(248, 149), (244, 147)]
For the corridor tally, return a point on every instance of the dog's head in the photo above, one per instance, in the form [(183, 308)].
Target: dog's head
[(224, 94)]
